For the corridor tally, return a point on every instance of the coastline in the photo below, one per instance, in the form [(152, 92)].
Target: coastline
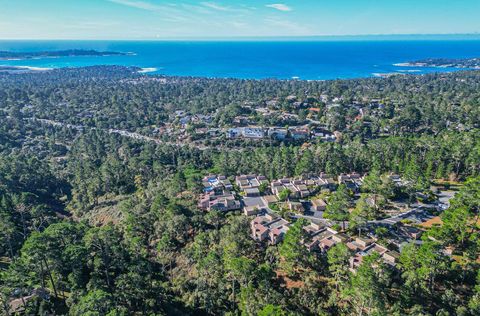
[(37, 55), (23, 68), (35, 68), (155, 71), (445, 63), (410, 64)]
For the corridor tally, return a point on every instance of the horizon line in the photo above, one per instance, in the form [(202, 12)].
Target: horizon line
[(235, 38)]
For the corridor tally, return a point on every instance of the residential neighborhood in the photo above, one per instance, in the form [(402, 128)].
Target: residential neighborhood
[(252, 124), (273, 206)]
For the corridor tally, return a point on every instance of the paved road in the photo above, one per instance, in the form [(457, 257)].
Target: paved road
[(397, 218), (314, 219), (418, 212), (124, 133)]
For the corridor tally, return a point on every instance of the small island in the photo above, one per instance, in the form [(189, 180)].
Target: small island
[(471, 63), (6, 55)]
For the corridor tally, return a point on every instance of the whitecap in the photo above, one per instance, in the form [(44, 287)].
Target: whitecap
[(147, 70), (34, 68)]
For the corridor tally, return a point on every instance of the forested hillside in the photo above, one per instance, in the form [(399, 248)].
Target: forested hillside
[(99, 216)]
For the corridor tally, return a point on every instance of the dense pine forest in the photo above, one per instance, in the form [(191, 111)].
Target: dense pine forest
[(99, 216)]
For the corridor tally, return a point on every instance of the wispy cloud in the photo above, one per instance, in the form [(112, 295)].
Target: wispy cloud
[(137, 4), (215, 6), (167, 12), (216, 15), (181, 10), (279, 7)]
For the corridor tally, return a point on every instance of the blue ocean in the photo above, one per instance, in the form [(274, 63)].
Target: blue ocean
[(308, 60)]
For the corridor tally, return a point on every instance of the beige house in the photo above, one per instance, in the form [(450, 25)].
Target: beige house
[(319, 205)]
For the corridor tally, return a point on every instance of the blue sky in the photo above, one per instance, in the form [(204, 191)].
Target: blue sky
[(151, 19)]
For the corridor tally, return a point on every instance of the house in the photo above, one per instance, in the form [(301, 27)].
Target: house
[(262, 179), (253, 205), (213, 132), (323, 134), (242, 183), (299, 134), (277, 187), (278, 133), (296, 207), (357, 259), (200, 118), (324, 182), (270, 199), (301, 187), (269, 228), (259, 227), (319, 205), (352, 181), (278, 231), (324, 239), (234, 133), (217, 195), (294, 191), (216, 182), (253, 132), (251, 192), (313, 228), (254, 182), (302, 190), (359, 244), (410, 232), (241, 120), (328, 242), (348, 176), (391, 257), (340, 238), (250, 181), (224, 204), (252, 210), (204, 202), (225, 182)]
